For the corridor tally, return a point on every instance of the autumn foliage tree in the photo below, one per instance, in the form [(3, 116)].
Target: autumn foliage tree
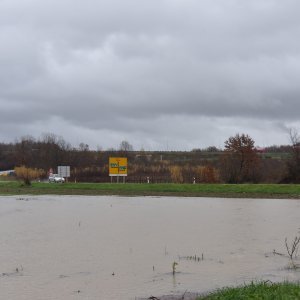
[(205, 174), (209, 174), (240, 162)]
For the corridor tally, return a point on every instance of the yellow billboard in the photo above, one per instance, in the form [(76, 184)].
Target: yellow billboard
[(118, 166)]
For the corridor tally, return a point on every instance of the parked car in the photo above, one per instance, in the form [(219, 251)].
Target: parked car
[(56, 178)]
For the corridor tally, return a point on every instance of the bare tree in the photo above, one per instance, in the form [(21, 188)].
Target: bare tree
[(53, 150), (125, 146), (293, 163), (24, 149)]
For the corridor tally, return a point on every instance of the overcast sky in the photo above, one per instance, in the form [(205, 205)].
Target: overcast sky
[(161, 74)]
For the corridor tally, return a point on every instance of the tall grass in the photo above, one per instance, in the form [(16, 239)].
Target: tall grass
[(263, 291)]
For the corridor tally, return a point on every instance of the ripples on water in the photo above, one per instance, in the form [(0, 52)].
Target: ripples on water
[(74, 247)]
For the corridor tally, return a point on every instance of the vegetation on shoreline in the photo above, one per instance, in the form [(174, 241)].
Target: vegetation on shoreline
[(135, 189), (263, 290), (239, 161)]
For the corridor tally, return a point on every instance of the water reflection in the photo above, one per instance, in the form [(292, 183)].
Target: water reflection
[(123, 248)]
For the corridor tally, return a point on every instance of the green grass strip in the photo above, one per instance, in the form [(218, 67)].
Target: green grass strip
[(263, 291), (136, 189)]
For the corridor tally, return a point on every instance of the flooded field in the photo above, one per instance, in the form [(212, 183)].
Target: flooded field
[(77, 247)]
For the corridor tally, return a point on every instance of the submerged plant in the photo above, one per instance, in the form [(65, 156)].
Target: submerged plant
[(292, 249), (193, 257), (174, 267)]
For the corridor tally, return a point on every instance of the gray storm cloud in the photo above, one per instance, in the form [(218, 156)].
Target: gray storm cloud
[(161, 74)]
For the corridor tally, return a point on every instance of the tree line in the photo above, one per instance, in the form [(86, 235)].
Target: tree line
[(239, 162)]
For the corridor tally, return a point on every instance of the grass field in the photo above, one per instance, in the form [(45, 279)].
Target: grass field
[(265, 291), (130, 189)]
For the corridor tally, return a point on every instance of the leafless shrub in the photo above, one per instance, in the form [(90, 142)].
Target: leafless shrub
[(28, 174), (292, 249)]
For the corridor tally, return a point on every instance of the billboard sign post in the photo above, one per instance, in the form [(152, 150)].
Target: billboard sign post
[(63, 171), (118, 167)]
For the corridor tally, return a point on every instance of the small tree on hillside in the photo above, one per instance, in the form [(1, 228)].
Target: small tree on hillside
[(240, 162)]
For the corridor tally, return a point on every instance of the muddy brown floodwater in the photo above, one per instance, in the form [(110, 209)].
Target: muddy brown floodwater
[(78, 247)]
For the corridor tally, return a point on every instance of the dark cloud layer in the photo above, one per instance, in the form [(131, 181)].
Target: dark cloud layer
[(167, 74)]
